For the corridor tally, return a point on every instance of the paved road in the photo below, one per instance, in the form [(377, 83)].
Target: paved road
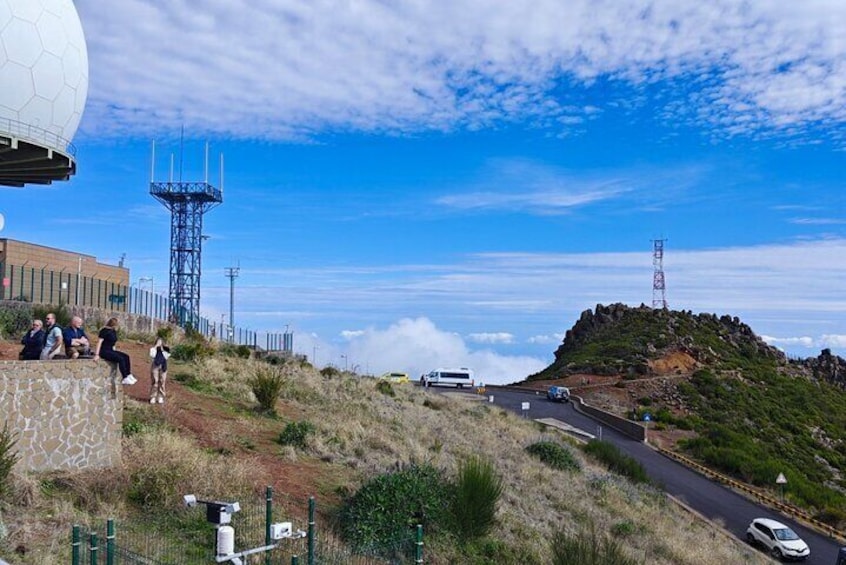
[(710, 499)]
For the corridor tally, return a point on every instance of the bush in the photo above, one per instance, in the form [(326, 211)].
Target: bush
[(239, 351), (15, 320), (40, 311), (616, 460), (330, 371), (385, 388), (191, 351), (384, 512), (588, 547), (555, 455), (266, 384), (477, 492), (296, 434), (165, 333), (8, 456)]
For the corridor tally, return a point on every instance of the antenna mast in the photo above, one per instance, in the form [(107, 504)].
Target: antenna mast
[(659, 295), (232, 273)]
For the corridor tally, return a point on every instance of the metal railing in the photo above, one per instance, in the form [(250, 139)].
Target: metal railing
[(37, 135)]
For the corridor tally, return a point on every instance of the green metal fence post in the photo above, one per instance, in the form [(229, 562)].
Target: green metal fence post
[(295, 560), (419, 548), (268, 517), (93, 549), (110, 542), (310, 530), (75, 543)]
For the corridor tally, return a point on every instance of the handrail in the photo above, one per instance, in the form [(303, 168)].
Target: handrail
[(36, 134)]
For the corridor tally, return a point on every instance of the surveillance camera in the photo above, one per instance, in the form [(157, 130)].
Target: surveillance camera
[(190, 500), (281, 530)]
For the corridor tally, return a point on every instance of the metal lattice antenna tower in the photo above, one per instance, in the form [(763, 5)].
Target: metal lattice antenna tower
[(187, 202), (659, 295)]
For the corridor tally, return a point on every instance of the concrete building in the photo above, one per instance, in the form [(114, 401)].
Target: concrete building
[(35, 273)]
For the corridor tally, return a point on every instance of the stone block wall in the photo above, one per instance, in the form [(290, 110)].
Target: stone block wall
[(65, 414)]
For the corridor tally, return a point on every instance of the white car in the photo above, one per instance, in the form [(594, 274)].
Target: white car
[(780, 540)]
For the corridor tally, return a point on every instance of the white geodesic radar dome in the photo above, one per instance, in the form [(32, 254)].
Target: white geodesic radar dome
[(43, 70)]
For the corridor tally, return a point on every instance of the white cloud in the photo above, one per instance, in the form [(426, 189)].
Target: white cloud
[(817, 221), (351, 334), (833, 341), (546, 339), (286, 69), (779, 290), (492, 337), (804, 341), (417, 346)]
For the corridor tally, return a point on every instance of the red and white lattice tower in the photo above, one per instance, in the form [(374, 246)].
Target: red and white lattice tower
[(659, 287)]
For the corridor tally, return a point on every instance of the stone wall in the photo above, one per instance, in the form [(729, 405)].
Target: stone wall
[(65, 414)]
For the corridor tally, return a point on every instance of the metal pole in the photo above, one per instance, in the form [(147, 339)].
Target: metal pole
[(419, 545), (268, 517), (75, 543), (78, 276), (295, 560), (310, 530), (110, 542), (93, 549)]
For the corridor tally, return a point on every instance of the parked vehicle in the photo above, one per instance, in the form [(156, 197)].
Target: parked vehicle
[(841, 556), (779, 540), (459, 377), (558, 393), (396, 377)]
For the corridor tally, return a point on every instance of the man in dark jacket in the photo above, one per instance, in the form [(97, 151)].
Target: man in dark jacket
[(33, 342)]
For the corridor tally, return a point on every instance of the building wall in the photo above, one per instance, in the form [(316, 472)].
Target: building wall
[(53, 276), (65, 414)]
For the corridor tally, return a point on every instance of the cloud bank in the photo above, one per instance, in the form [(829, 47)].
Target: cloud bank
[(276, 69)]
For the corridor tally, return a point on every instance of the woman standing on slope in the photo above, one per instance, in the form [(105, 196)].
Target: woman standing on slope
[(106, 350)]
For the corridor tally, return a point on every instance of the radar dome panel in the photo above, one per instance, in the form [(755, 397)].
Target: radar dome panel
[(43, 57)]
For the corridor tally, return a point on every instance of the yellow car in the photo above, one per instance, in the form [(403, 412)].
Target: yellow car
[(396, 377)]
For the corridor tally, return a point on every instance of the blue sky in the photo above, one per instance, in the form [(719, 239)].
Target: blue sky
[(409, 185)]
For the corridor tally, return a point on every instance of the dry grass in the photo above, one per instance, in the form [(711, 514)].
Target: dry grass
[(358, 427), (361, 428)]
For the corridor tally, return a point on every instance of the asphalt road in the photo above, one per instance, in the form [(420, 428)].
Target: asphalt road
[(715, 501)]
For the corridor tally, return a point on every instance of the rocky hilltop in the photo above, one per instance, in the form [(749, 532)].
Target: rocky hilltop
[(640, 342)]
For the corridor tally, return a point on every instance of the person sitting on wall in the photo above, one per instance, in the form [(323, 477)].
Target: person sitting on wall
[(76, 342), (106, 349), (53, 339), (33, 342)]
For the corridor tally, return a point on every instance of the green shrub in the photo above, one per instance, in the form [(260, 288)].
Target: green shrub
[(15, 320), (555, 455), (239, 351), (296, 434), (477, 492), (383, 514), (385, 388), (191, 351), (266, 383), (616, 460), (330, 371), (40, 311), (588, 547), (8, 456), (487, 550), (165, 333)]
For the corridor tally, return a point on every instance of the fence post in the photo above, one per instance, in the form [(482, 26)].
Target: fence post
[(93, 548), (75, 543), (295, 560), (310, 530), (110, 542), (419, 557), (268, 517)]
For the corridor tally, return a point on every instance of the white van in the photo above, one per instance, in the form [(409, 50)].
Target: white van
[(459, 377)]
